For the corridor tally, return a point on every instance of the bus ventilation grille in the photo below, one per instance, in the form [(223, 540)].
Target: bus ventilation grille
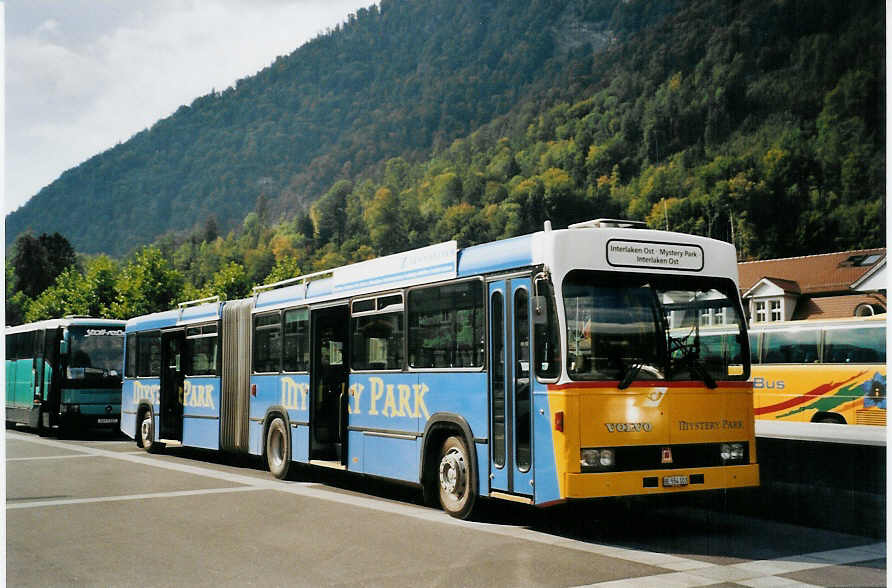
[(870, 417)]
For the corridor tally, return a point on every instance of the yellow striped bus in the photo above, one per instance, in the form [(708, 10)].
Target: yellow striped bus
[(829, 371)]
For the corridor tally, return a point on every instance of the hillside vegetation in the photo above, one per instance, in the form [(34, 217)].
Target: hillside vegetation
[(758, 122), (395, 80)]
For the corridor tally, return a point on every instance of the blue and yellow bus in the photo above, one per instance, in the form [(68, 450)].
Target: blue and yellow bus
[(64, 373), (560, 365)]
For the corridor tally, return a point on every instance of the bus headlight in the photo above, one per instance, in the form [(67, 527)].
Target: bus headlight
[(590, 458), (732, 451), (77, 373), (597, 459), (726, 451)]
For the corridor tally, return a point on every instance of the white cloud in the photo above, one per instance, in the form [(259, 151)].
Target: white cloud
[(68, 100), (48, 26)]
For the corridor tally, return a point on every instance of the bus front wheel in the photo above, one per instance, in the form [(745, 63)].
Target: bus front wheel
[(455, 475), (278, 448)]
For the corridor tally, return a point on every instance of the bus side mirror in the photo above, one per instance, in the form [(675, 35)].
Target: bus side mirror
[(63, 347)]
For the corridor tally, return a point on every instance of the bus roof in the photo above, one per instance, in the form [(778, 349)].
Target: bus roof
[(583, 246), (595, 245), (65, 322), (199, 313), (878, 320)]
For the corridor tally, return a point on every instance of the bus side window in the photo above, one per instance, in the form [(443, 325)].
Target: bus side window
[(25, 345), (754, 347), (130, 366), (296, 352), (445, 326), (378, 342), (545, 332), (791, 346), (201, 350), (267, 343), (148, 363), (855, 345)]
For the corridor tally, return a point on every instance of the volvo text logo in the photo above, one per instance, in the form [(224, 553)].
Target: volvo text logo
[(628, 427)]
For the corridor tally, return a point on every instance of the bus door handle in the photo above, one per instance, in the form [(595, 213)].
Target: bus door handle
[(342, 397)]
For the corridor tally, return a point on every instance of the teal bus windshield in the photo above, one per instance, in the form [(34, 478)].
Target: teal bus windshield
[(95, 355)]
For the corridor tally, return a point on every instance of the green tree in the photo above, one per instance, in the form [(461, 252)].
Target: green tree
[(229, 283), (384, 220), (37, 261), (91, 293), (286, 268), (329, 213), (146, 284)]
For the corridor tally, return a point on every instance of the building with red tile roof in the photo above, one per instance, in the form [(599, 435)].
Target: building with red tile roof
[(830, 285)]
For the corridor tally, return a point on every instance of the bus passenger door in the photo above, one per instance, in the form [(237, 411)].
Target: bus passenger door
[(328, 382), (509, 387), (172, 379)]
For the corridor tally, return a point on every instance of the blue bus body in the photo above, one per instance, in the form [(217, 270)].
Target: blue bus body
[(439, 367)]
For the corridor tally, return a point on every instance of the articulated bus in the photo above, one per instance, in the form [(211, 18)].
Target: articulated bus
[(64, 373), (565, 364), (825, 371)]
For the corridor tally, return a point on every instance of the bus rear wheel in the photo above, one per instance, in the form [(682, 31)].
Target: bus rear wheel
[(455, 475), (278, 448)]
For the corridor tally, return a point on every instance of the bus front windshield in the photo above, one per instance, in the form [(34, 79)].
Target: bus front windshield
[(95, 353), (630, 327)]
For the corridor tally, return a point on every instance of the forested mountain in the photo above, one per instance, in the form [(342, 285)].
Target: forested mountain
[(760, 122), (395, 80)]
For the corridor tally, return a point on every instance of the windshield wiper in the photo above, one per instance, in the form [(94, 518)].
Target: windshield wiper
[(629, 374), (691, 356), (697, 365)]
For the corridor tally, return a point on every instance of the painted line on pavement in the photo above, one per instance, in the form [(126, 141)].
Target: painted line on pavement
[(175, 494), (47, 457), (759, 572)]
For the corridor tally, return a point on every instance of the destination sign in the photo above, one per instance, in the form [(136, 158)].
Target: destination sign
[(650, 254), (104, 332)]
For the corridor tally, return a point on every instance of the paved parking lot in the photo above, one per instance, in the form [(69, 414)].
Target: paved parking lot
[(101, 512)]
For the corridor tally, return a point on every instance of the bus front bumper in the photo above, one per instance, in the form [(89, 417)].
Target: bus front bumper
[(86, 415), (602, 485)]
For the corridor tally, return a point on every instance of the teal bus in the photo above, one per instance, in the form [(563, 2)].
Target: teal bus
[(64, 373)]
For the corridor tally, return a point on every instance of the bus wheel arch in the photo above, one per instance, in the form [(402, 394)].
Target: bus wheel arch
[(829, 417), (449, 474), (277, 443)]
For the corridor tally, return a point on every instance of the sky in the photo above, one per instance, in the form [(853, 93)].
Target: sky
[(84, 75)]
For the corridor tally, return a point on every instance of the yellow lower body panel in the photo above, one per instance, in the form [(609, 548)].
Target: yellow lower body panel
[(633, 483)]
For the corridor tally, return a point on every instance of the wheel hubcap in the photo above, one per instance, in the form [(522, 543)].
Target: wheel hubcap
[(278, 447), (453, 473), (146, 431)]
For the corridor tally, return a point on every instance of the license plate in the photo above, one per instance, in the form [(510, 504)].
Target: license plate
[(106, 421), (675, 481)]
